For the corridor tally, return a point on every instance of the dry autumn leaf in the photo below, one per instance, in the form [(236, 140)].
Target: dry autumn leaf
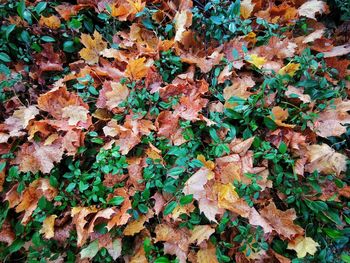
[(303, 246), (136, 69), (93, 46)]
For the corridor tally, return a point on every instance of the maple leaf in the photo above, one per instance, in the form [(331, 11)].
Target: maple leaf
[(246, 8), (93, 47), (293, 92), (325, 160), (75, 114), (314, 35), (330, 121), (48, 226), (20, 120), (115, 248), (303, 245), (229, 199), (310, 8), (29, 199), (201, 233), (195, 184), (136, 69), (239, 88), (111, 95), (282, 221), (37, 157)]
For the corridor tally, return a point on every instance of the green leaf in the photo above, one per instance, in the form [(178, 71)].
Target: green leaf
[(40, 7), (20, 8), (4, 57), (184, 200), (170, 208), (116, 200), (68, 46), (176, 171), (90, 251), (270, 124), (16, 245), (47, 39), (9, 29), (216, 20), (282, 148), (162, 260), (345, 258)]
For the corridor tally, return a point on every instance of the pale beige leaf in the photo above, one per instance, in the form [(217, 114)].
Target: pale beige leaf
[(303, 245), (201, 233), (48, 227), (310, 8)]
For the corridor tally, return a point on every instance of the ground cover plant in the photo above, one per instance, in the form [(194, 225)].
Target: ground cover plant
[(174, 131)]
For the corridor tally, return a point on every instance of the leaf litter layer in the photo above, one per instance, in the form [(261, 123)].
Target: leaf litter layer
[(174, 131)]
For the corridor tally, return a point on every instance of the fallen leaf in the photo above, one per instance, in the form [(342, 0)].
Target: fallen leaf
[(20, 120), (48, 227), (337, 51), (257, 61), (311, 7), (135, 226), (52, 22), (324, 159), (201, 233), (136, 69), (282, 221), (90, 251), (35, 157), (183, 20), (246, 8), (331, 121), (303, 245), (289, 69), (279, 115), (111, 95), (93, 47), (75, 114)]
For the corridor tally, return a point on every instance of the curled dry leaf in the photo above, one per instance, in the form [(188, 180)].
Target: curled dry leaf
[(279, 115)]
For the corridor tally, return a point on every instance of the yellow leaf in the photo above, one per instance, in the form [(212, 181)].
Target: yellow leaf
[(256, 60), (201, 233), (246, 8), (52, 22), (93, 47), (209, 164), (136, 69), (289, 69), (135, 226), (207, 255), (303, 245), (227, 195), (48, 227)]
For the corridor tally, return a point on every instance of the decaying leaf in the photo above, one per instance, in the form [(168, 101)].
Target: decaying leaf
[(48, 227)]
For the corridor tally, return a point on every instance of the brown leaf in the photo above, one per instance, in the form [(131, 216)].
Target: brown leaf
[(331, 121), (325, 160), (35, 157), (136, 69), (282, 221), (111, 95)]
